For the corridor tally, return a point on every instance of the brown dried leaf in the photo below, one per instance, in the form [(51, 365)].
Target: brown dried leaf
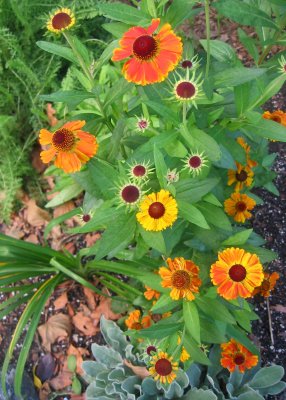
[(62, 380), (63, 208), (104, 308), (84, 322), (61, 301), (90, 298), (142, 372), (32, 238), (58, 326), (50, 114), (35, 215), (44, 391)]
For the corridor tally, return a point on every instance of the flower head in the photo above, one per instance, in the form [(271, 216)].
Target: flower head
[(138, 322), (236, 273), (172, 176), (276, 116), (163, 368), (70, 146), (158, 211), (184, 354), (142, 124), (242, 176), (150, 293), (235, 354), (129, 194), (246, 147), (151, 56), (267, 285), (188, 90), (282, 63), (238, 207), (85, 217), (61, 20), (140, 171), (182, 276), (191, 64), (195, 162)]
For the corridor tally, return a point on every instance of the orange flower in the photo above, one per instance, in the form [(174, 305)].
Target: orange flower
[(246, 147), (182, 277), (242, 176), (135, 321), (277, 116), (152, 56), (151, 293), (234, 354), (238, 206), (236, 273), (267, 284), (71, 146)]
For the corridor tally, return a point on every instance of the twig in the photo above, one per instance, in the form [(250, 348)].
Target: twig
[(270, 322)]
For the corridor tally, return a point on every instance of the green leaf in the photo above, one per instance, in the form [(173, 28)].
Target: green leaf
[(158, 331), (220, 50), (76, 386), (244, 13), (56, 221), (191, 319), (193, 348), (161, 167), (179, 10), (58, 50), (199, 394), (267, 92), (212, 332), (238, 239), (215, 216), (236, 333), (192, 214), (249, 43), (117, 29), (250, 395), (117, 236), (267, 129), (66, 194), (71, 97), (163, 304), (192, 190), (124, 13), (215, 309), (236, 76), (163, 110), (265, 255), (154, 239), (104, 177), (267, 376), (72, 362)]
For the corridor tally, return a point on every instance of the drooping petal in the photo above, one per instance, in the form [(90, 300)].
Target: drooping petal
[(47, 155)]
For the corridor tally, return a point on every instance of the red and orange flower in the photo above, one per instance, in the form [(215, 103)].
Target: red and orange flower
[(70, 146), (151, 56), (276, 116), (238, 207), (242, 176), (268, 284), (236, 273), (61, 20), (138, 322), (235, 355), (151, 293)]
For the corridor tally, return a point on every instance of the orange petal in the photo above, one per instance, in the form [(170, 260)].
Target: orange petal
[(45, 136), (88, 149), (74, 125), (154, 25), (47, 155), (69, 162)]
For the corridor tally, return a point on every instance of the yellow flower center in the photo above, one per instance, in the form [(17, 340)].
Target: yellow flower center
[(61, 20), (181, 279), (163, 367), (240, 206), (156, 210), (63, 140), (239, 359), (241, 176), (145, 47), (237, 273)]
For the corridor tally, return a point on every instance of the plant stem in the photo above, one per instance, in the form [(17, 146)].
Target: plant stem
[(85, 69), (275, 38), (270, 321), (184, 113), (208, 35)]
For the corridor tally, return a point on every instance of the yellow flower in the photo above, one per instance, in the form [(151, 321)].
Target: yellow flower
[(61, 20), (158, 211), (238, 207), (151, 293), (184, 354), (243, 175), (182, 277), (236, 273), (162, 368)]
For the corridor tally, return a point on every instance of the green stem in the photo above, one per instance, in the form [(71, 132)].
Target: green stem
[(208, 35), (184, 113), (85, 69), (275, 38)]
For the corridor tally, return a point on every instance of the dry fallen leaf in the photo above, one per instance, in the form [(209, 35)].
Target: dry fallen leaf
[(61, 301), (142, 372), (58, 326), (62, 380), (44, 391), (78, 352), (90, 298), (50, 114), (35, 215), (104, 308), (63, 208), (84, 321), (279, 308)]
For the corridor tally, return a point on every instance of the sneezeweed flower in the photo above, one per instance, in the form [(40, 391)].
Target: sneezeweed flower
[(172, 176), (276, 116), (267, 285), (150, 293), (236, 273), (182, 277), (138, 322), (184, 354), (191, 64), (142, 124), (238, 207), (140, 171), (188, 90), (61, 20), (151, 56), (158, 211), (195, 162), (242, 176), (85, 217), (129, 194), (235, 355), (247, 148), (70, 146), (163, 368), (282, 63)]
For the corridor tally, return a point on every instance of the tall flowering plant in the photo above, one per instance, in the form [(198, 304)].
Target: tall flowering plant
[(165, 141)]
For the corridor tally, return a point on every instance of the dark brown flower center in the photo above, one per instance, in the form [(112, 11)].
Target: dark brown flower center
[(239, 359), (63, 140), (86, 217), (237, 273), (181, 279), (265, 285), (142, 124), (163, 367), (145, 47), (139, 170), (195, 162), (185, 90), (241, 176), (150, 350), (187, 64), (276, 118), (156, 210), (240, 206), (61, 20), (130, 194), (137, 326)]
